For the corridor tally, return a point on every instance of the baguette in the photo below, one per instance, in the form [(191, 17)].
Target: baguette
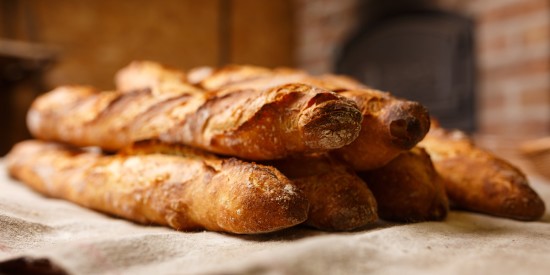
[(82, 116), (186, 193), (408, 189), (338, 199), (389, 126), (228, 75), (248, 123), (147, 74), (478, 181), (239, 76)]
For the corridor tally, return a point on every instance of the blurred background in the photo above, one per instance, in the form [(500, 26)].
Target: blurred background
[(482, 66)]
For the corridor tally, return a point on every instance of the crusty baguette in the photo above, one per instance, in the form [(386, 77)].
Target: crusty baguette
[(230, 74), (338, 199), (148, 74), (247, 123), (186, 193), (83, 116), (389, 127), (408, 188), (236, 76), (478, 181)]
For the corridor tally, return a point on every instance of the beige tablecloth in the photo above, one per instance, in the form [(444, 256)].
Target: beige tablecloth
[(54, 235)]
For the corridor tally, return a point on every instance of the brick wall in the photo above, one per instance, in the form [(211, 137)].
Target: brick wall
[(512, 51), (322, 26), (513, 42)]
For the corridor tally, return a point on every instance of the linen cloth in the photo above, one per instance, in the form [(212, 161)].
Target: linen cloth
[(75, 240)]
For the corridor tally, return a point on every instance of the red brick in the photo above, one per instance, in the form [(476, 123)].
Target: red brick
[(322, 26), (492, 127), (519, 69), (535, 97), (493, 44), (533, 127), (528, 127), (491, 100), (537, 35), (519, 8)]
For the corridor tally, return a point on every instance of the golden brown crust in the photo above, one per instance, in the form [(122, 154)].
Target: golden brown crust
[(408, 189), (389, 126), (339, 199), (185, 193), (197, 74), (159, 78), (275, 123), (223, 77), (105, 119), (248, 123), (478, 181), (340, 83)]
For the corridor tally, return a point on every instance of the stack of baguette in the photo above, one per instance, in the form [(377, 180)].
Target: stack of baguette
[(247, 150)]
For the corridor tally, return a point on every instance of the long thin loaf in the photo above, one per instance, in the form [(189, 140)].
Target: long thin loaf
[(186, 193), (142, 74), (389, 125), (408, 188), (338, 198), (252, 124), (478, 181)]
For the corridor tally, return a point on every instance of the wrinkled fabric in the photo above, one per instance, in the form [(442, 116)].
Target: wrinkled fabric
[(41, 232)]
